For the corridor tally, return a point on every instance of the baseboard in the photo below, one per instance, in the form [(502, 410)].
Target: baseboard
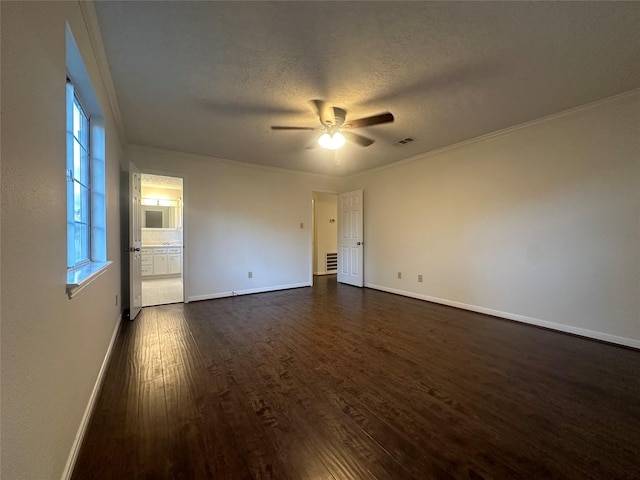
[(605, 337), (249, 291), (209, 296), (84, 423)]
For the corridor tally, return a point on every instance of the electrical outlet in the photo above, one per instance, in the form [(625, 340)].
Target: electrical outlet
[(250, 274), (301, 225), (419, 278), (399, 274)]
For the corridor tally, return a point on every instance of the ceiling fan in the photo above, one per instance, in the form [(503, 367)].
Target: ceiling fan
[(336, 129)]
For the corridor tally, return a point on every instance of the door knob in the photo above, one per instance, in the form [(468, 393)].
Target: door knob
[(359, 243)]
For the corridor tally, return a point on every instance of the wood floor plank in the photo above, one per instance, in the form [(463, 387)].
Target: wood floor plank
[(335, 382)]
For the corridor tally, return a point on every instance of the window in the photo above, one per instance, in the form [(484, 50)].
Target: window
[(78, 182), (85, 173)]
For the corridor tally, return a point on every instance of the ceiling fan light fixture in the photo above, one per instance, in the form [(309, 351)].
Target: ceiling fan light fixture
[(332, 142)]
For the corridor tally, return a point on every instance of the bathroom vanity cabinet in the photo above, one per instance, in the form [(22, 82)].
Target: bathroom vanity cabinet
[(160, 260)]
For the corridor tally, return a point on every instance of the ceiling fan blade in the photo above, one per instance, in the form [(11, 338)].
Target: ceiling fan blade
[(326, 114), (359, 139), (339, 114), (368, 121), (277, 127)]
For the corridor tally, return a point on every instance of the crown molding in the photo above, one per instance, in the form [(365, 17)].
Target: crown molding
[(505, 131), (90, 17)]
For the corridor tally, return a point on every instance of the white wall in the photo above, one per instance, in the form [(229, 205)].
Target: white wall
[(52, 347), (539, 224), (239, 219), (326, 232), (163, 193)]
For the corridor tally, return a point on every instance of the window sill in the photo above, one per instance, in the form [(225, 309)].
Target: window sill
[(79, 278)]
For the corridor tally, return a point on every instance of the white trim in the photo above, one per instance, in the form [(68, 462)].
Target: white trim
[(312, 237), (500, 133), (471, 141), (79, 278), (249, 291), (185, 223), (583, 332), (312, 234), (209, 296), (99, 54), (84, 422)]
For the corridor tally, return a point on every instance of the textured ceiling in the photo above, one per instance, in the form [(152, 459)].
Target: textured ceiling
[(210, 78)]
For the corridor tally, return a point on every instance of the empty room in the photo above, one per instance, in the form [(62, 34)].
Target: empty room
[(320, 240)]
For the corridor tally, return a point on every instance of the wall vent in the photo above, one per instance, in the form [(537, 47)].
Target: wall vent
[(331, 262), (404, 141)]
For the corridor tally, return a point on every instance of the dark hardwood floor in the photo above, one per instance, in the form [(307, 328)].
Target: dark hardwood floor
[(335, 382)]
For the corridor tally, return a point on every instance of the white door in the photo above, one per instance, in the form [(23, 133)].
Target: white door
[(350, 238), (135, 242)]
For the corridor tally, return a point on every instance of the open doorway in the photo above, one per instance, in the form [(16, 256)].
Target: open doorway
[(325, 234), (162, 239)]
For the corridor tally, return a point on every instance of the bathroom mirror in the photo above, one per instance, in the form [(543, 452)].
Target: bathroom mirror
[(159, 217)]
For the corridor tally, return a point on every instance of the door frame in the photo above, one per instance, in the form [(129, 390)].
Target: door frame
[(184, 177), (313, 229)]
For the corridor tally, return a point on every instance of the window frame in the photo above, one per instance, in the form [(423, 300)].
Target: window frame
[(80, 275), (78, 181)]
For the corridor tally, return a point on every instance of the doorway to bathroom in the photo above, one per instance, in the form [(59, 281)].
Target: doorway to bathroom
[(162, 213)]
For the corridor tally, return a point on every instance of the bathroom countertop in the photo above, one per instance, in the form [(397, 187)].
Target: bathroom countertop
[(162, 245)]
